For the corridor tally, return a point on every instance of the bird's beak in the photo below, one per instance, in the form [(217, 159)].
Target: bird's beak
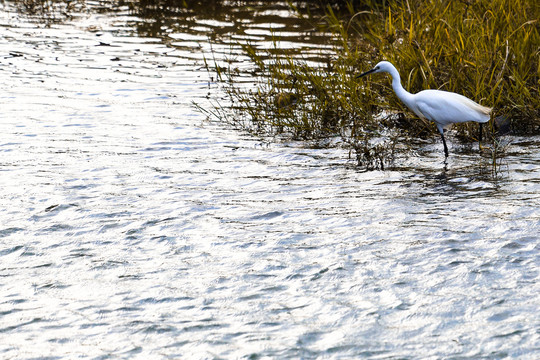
[(366, 73)]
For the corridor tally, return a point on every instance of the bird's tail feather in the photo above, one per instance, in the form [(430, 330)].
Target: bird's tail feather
[(483, 109)]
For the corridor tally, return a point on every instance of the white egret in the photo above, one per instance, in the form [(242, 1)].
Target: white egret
[(442, 107)]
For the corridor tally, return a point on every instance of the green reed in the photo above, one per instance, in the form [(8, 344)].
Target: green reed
[(487, 50)]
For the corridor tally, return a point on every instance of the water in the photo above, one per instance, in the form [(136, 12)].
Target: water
[(131, 227)]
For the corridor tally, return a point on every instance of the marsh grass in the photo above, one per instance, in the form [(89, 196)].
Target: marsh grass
[(294, 99), (486, 50)]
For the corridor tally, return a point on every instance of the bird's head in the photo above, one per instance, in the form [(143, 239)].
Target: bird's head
[(383, 66)]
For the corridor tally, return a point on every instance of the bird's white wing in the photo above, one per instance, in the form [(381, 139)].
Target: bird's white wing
[(446, 108)]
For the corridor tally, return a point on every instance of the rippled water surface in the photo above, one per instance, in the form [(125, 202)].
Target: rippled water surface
[(131, 227)]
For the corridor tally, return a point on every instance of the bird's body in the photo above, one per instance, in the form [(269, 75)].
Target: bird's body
[(442, 107)]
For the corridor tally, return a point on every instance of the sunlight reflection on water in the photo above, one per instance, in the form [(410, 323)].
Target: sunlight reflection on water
[(131, 227)]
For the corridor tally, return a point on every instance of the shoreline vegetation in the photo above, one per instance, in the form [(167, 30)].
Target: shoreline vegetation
[(486, 50)]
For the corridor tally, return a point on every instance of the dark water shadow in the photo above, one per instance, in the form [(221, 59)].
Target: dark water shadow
[(461, 175)]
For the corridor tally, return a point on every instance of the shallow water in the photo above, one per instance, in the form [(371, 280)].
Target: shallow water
[(131, 227)]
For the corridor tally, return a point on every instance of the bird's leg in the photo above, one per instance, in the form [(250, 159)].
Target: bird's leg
[(480, 138), (480, 134), (444, 143)]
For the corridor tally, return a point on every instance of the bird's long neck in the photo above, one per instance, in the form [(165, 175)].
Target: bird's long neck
[(401, 93)]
